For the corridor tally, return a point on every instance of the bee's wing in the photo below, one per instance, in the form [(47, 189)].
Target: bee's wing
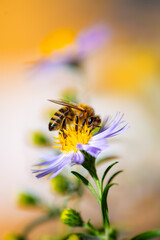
[(67, 104)]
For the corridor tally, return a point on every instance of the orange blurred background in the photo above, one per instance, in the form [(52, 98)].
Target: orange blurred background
[(123, 75)]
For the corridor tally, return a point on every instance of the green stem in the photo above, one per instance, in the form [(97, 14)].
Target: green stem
[(89, 165), (97, 182), (35, 223), (91, 228), (51, 214)]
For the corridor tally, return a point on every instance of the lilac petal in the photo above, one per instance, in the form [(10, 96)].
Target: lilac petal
[(94, 151), (55, 173), (104, 126), (118, 131), (68, 161), (101, 143), (50, 64), (53, 164), (47, 160), (78, 158), (63, 161), (44, 173), (111, 129), (91, 39), (56, 166)]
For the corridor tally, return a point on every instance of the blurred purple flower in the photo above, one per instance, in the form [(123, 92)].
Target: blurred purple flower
[(86, 42), (84, 140)]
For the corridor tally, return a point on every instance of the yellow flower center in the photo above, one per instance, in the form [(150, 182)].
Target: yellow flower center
[(57, 40), (68, 139)]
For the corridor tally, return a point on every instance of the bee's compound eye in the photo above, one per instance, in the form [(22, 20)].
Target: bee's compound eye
[(90, 120)]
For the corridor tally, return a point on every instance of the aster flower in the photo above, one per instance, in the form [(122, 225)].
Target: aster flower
[(72, 53), (75, 142)]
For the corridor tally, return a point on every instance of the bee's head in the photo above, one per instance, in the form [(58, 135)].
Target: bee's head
[(94, 121)]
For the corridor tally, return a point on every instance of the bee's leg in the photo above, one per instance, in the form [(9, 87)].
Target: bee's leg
[(76, 123), (91, 129), (63, 127), (83, 123), (64, 124)]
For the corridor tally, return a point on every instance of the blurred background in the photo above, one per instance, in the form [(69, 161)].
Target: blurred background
[(39, 60)]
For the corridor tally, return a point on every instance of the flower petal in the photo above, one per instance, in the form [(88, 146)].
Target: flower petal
[(64, 159), (48, 160), (52, 164), (101, 143), (78, 158), (91, 39), (113, 129), (94, 151)]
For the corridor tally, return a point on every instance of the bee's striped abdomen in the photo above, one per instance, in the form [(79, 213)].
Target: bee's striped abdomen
[(57, 119)]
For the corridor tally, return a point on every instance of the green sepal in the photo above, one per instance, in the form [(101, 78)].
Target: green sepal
[(104, 205), (105, 173), (87, 183), (71, 218), (147, 235), (113, 176), (91, 228), (89, 164)]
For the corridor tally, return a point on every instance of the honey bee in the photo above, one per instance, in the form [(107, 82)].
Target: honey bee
[(71, 113)]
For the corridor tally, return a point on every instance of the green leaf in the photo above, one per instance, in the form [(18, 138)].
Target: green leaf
[(105, 173), (113, 176), (147, 235), (105, 159), (87, 183), (104, 205)]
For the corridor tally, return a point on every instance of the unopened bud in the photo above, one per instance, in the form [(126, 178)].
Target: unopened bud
[(63, 185), (27, 200), (73, 237), (12, 236), (39, 139), (71, 217), (46, 237)]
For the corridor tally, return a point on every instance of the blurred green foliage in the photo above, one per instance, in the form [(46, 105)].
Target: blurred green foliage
[(40, 139), (46, 237), (25, 199), (12, 236), (69, 95), (73, 237), (63, 185)]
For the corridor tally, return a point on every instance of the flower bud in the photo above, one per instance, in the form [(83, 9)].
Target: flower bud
[(59, 184), (12, 236), (39, 139), (71, 217), (63, 185), (46, 237), (27, 200), (73, 237)]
